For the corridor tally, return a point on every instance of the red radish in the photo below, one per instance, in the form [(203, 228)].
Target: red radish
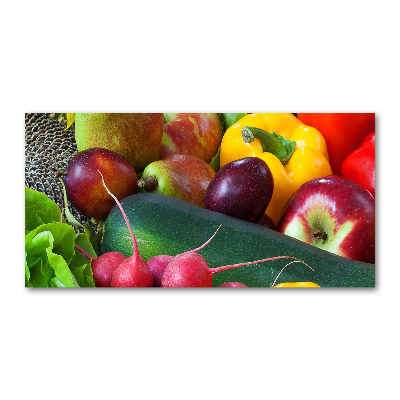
[(103, 266), (157, 265), (133, 271), (191, 270), (233, 284), (187, 270)]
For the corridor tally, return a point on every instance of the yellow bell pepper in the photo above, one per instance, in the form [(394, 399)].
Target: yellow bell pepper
[(309, 159), (297, 285)]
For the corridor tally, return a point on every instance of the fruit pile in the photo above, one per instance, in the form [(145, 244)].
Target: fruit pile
[(277, 187)]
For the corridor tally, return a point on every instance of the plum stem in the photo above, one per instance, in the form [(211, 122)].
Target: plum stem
[(135, 246), (208, 241), (286, 266), (225, 267), (87, 255)]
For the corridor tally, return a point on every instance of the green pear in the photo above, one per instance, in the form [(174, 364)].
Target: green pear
[(181, 176), (135, 136)]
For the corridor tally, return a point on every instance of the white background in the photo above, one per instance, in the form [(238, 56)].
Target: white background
[(200, 57)]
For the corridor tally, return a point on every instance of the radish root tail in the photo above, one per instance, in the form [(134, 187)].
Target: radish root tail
[(208, 241), (286, 266), (87, 255), (135, 246)]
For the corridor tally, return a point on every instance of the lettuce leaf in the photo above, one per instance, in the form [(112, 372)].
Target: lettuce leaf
[(51, 259), (80, 265), (42, 261), (39, 209)]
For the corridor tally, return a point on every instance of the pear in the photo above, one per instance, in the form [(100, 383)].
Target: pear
[(135, 136), (181, 176)]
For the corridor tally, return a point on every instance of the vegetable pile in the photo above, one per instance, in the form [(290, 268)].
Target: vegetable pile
[(208, 200)]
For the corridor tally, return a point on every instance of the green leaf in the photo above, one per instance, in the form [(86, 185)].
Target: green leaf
[(79, 259), (80, 265), (63, 236), (39, 209), (84, 275), (62, 272), (54, 282), (36, 247), (229, 119), (27, 272), (49, 249)]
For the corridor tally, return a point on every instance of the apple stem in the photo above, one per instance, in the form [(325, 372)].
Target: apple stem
[(319, 234)]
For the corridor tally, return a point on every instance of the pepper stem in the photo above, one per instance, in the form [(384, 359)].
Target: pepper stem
[(279, 146)]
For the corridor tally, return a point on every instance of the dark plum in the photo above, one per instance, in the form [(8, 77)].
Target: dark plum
[(267, 222), (83, 183), (242, 189)]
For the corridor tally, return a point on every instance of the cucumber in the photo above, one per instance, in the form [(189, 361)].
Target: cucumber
[(165, 225)]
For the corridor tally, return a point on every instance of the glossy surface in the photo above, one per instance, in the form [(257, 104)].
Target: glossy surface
[(135, 136), (165, 225), (334, 214), (343, 132), (181, 176), (104, 266), (359, 166), (309, 160), (241, 189), (83, 183), (196, 134), (157, 266)]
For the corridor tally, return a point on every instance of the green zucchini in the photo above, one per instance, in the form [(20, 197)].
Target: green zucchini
[(165, 225)]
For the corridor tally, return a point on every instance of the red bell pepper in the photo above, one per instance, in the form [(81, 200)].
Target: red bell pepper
[(343, 132), (359, 166)]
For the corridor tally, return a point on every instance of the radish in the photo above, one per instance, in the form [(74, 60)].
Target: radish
[(188, 269), (103, 266), (133, 271), (233, 284), (157, 265), (191, 270)]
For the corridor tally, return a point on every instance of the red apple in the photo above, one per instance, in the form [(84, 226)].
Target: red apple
[(193, 134), (334, 214)]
